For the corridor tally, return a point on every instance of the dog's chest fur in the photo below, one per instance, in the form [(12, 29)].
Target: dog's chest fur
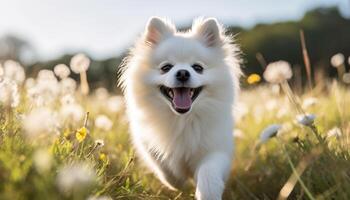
[(179, 143), (176, 143)]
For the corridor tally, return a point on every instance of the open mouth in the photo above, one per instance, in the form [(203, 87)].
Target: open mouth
[(181, 98)]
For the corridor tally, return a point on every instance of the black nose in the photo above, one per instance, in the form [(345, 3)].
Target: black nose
[(183, 75)]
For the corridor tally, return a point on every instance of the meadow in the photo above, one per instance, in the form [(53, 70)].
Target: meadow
[(61, 140)]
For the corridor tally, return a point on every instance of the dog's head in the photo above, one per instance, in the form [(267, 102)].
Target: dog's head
[(183, 67)]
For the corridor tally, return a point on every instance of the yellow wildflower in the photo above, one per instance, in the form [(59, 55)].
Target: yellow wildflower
[(103, 157), (253, 78), (81, 134)]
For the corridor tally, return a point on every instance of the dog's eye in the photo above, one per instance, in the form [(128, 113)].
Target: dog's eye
[(197, 68), (166, 68)]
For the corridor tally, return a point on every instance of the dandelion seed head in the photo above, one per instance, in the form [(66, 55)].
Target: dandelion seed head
[(306, 120), (9, 95), (269, 132), (14, 71), (46, 75), (334, 132), (46, 89), (61, 70), (337, 60), (103, 122), (68, 85), (277, 72), (75, 177), (79, 63), (40, 121), (99, 143), (29, 83)]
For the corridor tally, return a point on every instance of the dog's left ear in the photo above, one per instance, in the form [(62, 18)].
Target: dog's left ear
[(208, 31)]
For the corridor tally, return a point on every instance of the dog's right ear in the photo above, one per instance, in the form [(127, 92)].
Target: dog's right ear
[(158, 29)]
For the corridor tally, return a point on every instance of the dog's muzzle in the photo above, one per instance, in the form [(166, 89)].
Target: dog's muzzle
[(181, 98)]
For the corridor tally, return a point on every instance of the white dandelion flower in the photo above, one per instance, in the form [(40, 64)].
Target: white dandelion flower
[(46, 75), (9, 95), (277, 72), (75, 177), (306, 120), (61, 70), (337, 60), (29, 83), (42, 160), (103, 122), (68, 85), (79, 63), (270, 132), (46, 89), (99, 143), (334, 132), (40, 121), (14, 71)]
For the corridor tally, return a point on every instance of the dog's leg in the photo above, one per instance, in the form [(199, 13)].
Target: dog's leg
[(168, 179), (157, 167), (211, 175)]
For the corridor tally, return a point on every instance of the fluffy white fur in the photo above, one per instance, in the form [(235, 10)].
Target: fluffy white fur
[(199, 143)]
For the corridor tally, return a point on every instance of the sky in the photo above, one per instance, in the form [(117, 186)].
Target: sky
[(104, 28)]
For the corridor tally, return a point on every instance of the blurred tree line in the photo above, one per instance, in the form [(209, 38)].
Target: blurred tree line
[(326, 33)]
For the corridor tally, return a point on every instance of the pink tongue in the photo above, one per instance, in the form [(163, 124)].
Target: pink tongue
[(182, 98)]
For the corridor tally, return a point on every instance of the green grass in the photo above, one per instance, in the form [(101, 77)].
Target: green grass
[(320, 168)]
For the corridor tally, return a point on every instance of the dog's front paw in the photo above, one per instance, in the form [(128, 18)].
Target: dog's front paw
[(211, 176)]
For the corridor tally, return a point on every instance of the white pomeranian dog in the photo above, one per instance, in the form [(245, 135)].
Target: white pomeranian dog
[(179, 89)]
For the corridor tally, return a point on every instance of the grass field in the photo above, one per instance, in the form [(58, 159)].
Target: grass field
[(59, 142)]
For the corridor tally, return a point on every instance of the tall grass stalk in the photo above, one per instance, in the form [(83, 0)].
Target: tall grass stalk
[(306, 59), (297, 172)]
